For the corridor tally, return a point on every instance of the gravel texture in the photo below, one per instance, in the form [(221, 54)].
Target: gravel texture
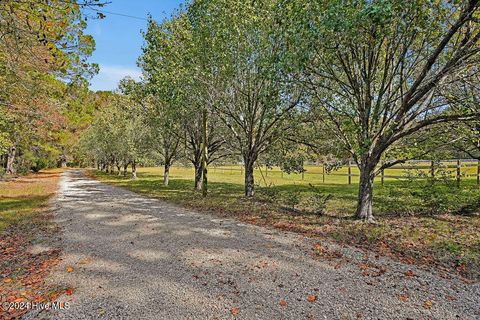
[(140, 258)]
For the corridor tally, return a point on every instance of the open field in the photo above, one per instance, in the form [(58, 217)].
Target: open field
[(316, 174), (430, 224), (396, 195)]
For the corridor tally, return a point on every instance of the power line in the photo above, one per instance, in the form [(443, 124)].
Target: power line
[(118, 14)]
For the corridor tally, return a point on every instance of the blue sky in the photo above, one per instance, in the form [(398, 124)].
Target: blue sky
[(118, 38)]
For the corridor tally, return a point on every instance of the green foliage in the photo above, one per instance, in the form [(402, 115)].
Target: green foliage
[(317, 200), (40, 164), (293, 165), (269, 193), (332, 165), (43, 70), (291, 199)]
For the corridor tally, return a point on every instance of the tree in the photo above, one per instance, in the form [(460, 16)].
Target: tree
[(379, 71), (244, 50), (40, 43), (174, 72), (118, 135), (464, 137)]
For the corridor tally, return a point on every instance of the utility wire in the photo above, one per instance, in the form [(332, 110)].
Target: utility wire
[(118, 14)]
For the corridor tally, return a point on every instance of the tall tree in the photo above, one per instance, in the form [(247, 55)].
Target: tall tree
[(254, 100), (173, 66), (41, 42), (379, 71)]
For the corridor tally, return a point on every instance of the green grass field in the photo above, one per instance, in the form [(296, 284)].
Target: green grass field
[(394, 196), (314, 174), (416, 219)]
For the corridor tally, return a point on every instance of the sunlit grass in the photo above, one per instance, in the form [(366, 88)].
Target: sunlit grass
[(20, 199)]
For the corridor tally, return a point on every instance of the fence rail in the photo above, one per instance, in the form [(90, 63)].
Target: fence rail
[(456, 168)]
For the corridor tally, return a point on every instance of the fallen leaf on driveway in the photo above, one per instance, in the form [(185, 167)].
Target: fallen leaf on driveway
[(69, 291), (410, 273), (7, 280), (70, 269), (283, 303), (403, 297), (85, 261), (235, 311), (312, 298), (428, 304)]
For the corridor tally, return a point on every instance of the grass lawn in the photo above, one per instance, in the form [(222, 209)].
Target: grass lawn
[(27, 241), (416, 221)]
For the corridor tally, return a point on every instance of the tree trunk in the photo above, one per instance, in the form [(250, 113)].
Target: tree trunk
[(204, 154), (166, 173), (11, 160), (198, 175), (134, 169), (125, 167), (112, 166), (119, 171), (63, 161), (249, 179), (365, 192)]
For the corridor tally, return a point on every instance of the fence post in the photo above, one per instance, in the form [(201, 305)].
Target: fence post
[(303, 175), (432, 169), (349, 173), (382, 174), (458, 173), (323, 171), (478, 171)]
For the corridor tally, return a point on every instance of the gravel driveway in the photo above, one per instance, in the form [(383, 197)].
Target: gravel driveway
[(140, 258)]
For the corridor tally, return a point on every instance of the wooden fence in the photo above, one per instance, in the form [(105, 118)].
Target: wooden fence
[(457, 169)]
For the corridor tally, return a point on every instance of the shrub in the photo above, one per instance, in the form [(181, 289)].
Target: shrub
[(433, 192), (39, 164), (317, 201), (292, 199), (268, 193)]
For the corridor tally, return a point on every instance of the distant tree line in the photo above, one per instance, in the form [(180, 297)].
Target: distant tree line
[(44, 96)]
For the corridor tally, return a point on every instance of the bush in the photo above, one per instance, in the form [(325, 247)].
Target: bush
[(292, 199), (317, 201), (39, 164), (434, 199), (432, 191), (268, 193)]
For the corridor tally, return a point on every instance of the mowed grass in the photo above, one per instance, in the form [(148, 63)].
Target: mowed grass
[(22, 198), (416, 221)]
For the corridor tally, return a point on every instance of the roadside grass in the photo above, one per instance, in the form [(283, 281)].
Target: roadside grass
[(21, 198), (417, 222), (25, 223)]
